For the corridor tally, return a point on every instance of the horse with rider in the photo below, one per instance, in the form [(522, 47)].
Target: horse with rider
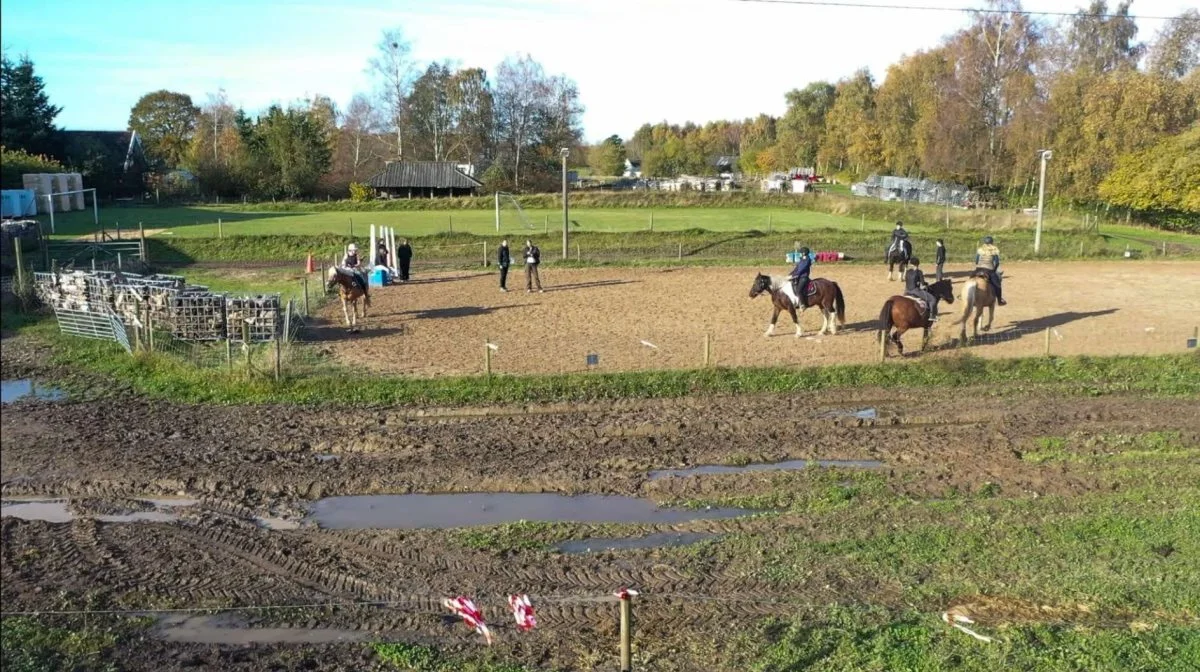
[(899, 251), (798, 291), (351, 280), (983, 289)]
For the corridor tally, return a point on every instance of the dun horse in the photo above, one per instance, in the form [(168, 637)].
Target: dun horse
[(350, 290), (904, 313), (899, 255), (822, 293), (977, 294)]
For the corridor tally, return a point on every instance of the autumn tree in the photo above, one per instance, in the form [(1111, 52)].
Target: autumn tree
[(1162, 178), (165, 121), (217, 152), (801, 130), (393, 69), (906, 110), (608, 157), (851, 135), (1176, 51)]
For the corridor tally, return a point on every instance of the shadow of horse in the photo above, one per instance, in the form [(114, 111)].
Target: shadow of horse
[(590, 285), (461, 311), (1022, 328)]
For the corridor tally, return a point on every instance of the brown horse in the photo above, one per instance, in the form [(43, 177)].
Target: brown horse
[(351, 286), (977, 294), (904, 313), (822, 293)]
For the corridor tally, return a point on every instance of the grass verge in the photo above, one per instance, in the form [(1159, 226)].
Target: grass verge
[(416, 658), (166, 377), (34, 645)]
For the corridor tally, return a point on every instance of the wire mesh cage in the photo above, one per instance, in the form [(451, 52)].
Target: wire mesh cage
[(253, 318)]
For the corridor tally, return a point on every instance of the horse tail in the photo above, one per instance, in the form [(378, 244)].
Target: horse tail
[(839, 302), (885, 317)]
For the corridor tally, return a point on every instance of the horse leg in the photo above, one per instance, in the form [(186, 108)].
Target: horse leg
[(899, 344), (824, 322), (924, 338), (796, 319), (774, 319), (345, 313), (991, 315)]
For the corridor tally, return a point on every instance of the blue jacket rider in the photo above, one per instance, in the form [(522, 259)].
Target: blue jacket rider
[(799, 275)]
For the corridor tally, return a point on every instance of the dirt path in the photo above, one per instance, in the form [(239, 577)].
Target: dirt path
[(245, 462), (438, 324)]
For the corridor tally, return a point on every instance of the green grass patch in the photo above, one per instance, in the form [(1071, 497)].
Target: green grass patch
[(34, 645), (416, 658), (164, 376), (853, 639), (1160, 445), (519, 536)]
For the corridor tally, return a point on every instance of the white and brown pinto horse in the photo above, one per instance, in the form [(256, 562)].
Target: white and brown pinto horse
[(351, 287), (822, 293)]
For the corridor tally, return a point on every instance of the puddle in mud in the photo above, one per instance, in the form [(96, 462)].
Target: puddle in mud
[(328, 457), (789, 465), (24, 388), (277, 524), (868, 413), (465, 510), (656, 540), (58, 511)]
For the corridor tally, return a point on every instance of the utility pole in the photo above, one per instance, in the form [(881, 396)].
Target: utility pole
[(565, 152), (1037, 235)]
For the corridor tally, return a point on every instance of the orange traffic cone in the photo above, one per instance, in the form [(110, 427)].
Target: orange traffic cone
[(310, 268)]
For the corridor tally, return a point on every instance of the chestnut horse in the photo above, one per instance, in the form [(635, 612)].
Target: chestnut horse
[(977, 294), (822, 293), (904, 313), (351, 286)]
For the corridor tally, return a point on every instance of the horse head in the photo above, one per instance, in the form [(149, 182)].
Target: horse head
[(943, 289), (762, 283), (331, 278)]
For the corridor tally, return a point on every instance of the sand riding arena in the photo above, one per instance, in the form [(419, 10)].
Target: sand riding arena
[(660, 318)]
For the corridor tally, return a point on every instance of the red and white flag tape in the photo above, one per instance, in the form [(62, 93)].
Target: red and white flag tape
[(625, 593), (466, 609), (522, 610)]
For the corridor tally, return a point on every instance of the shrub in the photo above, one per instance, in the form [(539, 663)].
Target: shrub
[(16, 162), (361, 193)]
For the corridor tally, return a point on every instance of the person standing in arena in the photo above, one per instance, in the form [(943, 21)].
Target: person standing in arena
[(940, 259), (533, 259), (503, 260), (404, 255)]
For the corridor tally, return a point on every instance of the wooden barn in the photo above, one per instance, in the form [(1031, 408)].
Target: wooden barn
[(423, 179)]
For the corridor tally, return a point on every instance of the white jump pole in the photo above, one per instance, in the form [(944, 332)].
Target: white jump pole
[(372, 248), (392, 249), (50, 200)]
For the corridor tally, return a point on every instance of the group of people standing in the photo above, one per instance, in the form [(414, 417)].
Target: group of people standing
[(533, 260)]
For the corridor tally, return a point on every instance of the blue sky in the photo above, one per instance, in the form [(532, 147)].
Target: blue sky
[(634, 60)]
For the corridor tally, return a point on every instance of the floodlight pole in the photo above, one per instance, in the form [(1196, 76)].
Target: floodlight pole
[(565, 152), (1037, 235)]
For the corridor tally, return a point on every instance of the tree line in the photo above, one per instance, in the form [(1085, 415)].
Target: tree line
[(510, 126), (1120, 115)]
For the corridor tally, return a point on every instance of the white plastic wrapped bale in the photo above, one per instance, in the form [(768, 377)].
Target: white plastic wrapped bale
[(75, 181), (61, 184), (39, 184)]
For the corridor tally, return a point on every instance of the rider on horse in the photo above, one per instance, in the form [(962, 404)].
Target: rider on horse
[(987, 261), (352, 262), (915, 285), (899, 240), (799, 276)]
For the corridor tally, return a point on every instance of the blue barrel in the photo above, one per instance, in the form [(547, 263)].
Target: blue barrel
[(378, 277)]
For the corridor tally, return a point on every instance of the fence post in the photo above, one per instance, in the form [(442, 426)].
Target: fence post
[(287, 322), (351, 227), (578, 252), (142, 244), (487, 358), (862, 222), (119, 267), (118, 228), (277, 362), (20, 266), (770, 223), (680, 251), (228, 350), (451, 223), (626, 598), (652, 220), (246, 344), (707, 349), (305, 295), (485, 259), (220, 229), (882, 345), (150, 328), (1047, 353)]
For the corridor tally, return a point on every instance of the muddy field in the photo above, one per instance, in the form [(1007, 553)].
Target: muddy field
[(232, 486), (658, 318)]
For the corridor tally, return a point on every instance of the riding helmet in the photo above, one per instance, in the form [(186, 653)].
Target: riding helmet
[(804, 251), (353, 247), (987, 240), (914, 262)]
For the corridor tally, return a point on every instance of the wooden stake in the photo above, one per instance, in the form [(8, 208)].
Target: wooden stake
[(681, 251), (485, 258), (487, 358), (20, 266), (1047, 353), (228, 350), (142, 244), (305, 281), (770, 223), (246, 343), (277, 358), (883, 345), (707, 349), (451, 223), (626, 634), (220, 229), (651, 220), (862, 222)]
